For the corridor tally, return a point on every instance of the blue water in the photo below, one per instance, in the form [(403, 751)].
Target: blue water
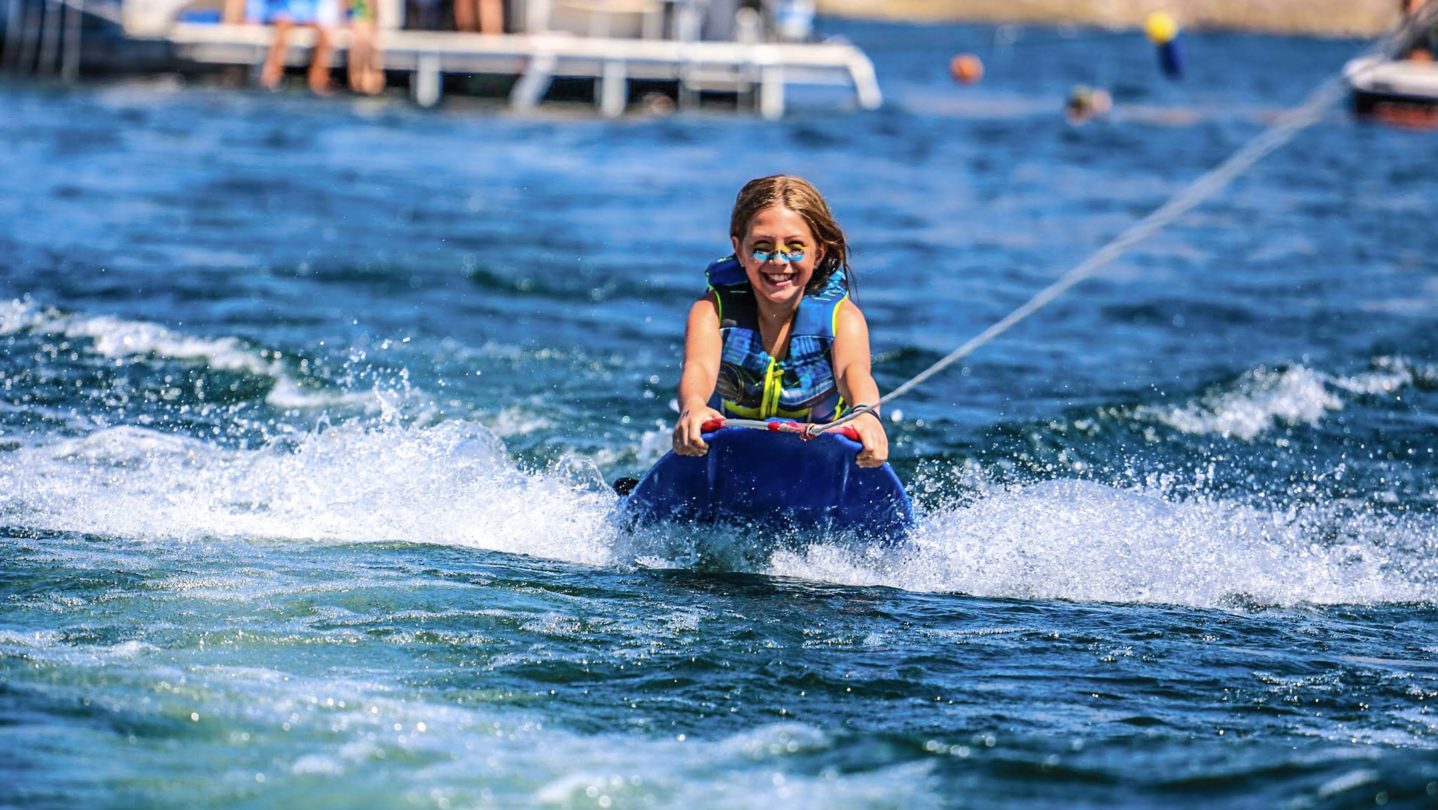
[(307, 408)]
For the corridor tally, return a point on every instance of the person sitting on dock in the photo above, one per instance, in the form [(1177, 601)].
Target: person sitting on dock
[(484, 16), (365, 60), (422, 15), (323, 16), (1424, 14)]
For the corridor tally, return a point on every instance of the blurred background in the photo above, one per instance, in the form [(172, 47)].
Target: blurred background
[(324, 328), (676, 50)]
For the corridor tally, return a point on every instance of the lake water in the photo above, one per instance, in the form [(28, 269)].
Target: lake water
[(307, 408)]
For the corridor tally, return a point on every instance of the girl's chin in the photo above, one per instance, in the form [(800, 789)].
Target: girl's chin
[(784, 296)]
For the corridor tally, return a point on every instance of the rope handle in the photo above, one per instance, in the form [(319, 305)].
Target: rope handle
[(1197, 191), (805, 431)]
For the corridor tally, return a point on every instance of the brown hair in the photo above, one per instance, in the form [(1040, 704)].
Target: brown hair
[(800, 196)]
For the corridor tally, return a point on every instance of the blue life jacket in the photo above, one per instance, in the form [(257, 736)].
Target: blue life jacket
[(753, 384)]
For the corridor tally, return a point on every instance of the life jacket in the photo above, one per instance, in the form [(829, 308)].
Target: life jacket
[(753, 384)]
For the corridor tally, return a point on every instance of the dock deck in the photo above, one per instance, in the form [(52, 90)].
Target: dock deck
[(537, 59)]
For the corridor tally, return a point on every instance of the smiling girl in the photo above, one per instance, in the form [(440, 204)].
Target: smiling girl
[(776, 334)]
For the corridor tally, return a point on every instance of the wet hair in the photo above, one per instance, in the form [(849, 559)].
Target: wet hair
[(800, 196)]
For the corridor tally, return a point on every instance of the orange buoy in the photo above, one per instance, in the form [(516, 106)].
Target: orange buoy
[(966, 68)]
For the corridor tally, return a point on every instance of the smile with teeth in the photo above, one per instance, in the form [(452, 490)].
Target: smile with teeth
[(778, 279)]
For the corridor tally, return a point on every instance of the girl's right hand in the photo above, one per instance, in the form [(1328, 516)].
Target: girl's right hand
[(689, 430)]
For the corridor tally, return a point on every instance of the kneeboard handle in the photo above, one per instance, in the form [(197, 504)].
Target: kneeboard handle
[(774, 426)]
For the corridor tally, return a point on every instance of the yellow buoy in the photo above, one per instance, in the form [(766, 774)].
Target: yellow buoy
[(1160, 27)]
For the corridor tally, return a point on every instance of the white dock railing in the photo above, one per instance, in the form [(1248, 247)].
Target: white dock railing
[(537, 59)]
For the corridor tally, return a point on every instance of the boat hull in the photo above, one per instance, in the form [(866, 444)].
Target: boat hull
[(1398, 91)]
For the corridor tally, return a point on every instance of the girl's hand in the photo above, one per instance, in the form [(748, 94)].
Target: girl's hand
[(688, 431), (875, 440)]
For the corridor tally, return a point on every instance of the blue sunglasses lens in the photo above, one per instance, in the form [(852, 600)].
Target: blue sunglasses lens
[(788, 256)]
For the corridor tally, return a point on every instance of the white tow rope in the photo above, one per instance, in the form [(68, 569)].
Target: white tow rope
[(1206, 185)]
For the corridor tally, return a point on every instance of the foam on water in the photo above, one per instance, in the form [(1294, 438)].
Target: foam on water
[(1071, 539), (450, 483), (453, 483), (1265, 398), (118, 338), (518, 421)]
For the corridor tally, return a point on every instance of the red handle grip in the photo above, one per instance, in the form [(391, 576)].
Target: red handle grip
[(782, 427), (785, 426)]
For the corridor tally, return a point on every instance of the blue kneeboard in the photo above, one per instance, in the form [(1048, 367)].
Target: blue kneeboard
[(776, 481)]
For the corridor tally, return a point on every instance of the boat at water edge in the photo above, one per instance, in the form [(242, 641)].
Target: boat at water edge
[(1397, 91)]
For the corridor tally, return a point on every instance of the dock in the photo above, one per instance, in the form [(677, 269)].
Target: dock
[(536, 60), (43, 37)]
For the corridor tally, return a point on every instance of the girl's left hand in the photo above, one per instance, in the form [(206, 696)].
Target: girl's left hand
[(875, 440)]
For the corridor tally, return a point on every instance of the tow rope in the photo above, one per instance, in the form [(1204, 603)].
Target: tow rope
[(1328, 92)]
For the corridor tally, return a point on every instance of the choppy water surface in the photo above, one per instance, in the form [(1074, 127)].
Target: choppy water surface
[(306, 410)]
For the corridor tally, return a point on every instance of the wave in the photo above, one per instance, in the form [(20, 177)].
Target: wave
[(1265, 398), (453, 483), (450, 483), (119, 338), (1084, 541)]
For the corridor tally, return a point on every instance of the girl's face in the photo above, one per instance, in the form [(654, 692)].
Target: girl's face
[(779, 254)]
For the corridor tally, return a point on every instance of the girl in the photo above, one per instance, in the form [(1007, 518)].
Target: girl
[(776, 334)]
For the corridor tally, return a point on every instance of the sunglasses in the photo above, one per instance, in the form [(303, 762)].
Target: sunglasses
[(791, 256)]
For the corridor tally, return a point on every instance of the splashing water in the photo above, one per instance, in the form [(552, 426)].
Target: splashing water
[(122, 339), (454, 484), (451, 483), (306, 412)]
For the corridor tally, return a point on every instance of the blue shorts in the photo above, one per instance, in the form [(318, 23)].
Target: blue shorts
[(299, 12)]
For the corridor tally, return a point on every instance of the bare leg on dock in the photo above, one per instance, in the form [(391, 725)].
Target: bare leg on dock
[(274, 69), (491, 16), (488, 14), (319, 75), (366, 61)]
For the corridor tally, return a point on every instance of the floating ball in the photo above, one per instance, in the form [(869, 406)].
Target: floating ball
[(1160, 27), (966, 68)]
